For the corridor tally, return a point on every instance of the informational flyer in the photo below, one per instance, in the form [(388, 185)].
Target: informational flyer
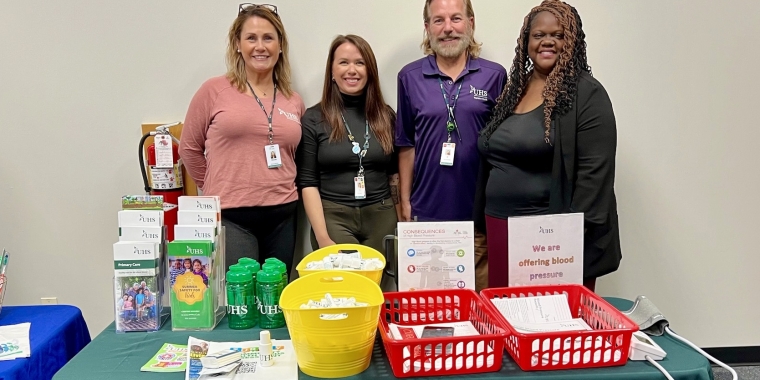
[(436, 255), (170, 358), (546, 249)]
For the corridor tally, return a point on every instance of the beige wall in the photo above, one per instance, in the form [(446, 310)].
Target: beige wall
[(78, 78)]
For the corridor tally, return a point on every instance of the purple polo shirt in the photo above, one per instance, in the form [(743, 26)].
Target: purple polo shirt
[(445, 193)]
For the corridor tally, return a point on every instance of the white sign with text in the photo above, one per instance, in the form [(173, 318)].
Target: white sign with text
[(545, 249), (436, 255)]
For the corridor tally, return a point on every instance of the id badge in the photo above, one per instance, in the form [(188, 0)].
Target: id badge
[(360, 192), (272, 153), (447, 154)]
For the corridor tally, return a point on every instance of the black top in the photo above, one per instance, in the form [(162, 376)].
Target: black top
[(520, 166), (583, 175), (332, 166)]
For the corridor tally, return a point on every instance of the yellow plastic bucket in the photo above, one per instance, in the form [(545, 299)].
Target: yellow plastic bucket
[(334, 342), (366, 252)]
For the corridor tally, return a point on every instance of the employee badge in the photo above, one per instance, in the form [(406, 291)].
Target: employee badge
[(360, 192), (447, 154), (272, 153)]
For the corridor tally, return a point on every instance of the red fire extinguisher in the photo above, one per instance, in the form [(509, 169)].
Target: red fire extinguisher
[(165, 170)]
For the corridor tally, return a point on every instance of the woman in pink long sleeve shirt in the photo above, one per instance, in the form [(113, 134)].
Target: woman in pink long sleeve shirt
[(234, 123)]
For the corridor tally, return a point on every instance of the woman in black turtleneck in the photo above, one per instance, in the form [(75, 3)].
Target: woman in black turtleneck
[(347, 169)]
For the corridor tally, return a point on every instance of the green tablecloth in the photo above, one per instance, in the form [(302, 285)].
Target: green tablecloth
[(112, 356)]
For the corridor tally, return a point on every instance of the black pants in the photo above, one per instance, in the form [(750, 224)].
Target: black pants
[(260, 233), (366, 225)]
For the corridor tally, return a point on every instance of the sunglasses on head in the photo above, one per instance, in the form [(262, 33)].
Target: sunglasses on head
[(244, 6)]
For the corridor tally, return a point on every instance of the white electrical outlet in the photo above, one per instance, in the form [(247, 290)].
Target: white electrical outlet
[(49, 300)]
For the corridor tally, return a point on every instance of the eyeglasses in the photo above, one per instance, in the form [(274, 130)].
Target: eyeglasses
[(242, 7)]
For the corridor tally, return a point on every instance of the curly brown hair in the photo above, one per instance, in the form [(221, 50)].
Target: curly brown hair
[(562, 81)]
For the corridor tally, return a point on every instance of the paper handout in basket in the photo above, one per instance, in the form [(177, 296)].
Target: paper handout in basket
[(539, 314)]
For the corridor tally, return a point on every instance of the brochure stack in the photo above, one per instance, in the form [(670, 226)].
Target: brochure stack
[(138, 262), (196, 265)]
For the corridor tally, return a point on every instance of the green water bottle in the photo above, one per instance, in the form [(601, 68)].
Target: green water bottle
[(241, 299), (268, 290), (254, 267), (280, 267)]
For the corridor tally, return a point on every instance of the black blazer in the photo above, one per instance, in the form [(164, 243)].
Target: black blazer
[(583, 175)]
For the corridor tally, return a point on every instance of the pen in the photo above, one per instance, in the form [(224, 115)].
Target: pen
[(4, 262)]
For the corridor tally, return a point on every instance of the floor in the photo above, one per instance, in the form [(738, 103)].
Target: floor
[(744, 373)]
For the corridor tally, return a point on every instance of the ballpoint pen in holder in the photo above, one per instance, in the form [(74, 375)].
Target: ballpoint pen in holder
[(3, 280)]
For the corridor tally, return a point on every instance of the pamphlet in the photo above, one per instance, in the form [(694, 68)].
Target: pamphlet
[(14, 341), (285, 366), (170, 358)]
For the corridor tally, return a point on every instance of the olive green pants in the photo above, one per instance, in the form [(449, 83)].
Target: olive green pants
[(366, 225)]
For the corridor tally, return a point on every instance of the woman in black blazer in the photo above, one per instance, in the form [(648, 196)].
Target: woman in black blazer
[(550, 145)]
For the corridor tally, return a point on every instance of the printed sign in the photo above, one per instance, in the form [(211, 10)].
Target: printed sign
[(546, 249), (436, 255)]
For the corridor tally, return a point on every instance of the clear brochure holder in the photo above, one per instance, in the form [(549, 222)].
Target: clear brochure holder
[(138, 300)]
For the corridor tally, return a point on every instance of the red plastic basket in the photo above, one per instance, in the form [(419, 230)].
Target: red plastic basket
[(606, 345), (444, 355)]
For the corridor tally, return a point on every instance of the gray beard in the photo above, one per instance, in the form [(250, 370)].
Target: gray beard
[(450, 51)]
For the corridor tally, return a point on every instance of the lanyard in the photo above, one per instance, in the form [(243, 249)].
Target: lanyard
[(268, 115), (355, 145), (451, 124)]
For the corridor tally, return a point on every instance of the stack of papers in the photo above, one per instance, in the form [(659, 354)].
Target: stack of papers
[(247, 367), (539, 314)]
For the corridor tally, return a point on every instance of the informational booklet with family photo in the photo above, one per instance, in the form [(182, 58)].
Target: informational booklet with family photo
[(285, 366)]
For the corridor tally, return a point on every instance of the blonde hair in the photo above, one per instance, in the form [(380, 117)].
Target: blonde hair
[(236, 64), (473, 49)]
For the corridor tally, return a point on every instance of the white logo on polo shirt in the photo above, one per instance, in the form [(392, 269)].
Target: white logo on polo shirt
[(288, 115), (478, 94)]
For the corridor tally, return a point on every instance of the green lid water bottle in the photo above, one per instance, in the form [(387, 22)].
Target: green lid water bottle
[(281, 267), (254, 267), (268, 289), (241, 301), (251, 264)]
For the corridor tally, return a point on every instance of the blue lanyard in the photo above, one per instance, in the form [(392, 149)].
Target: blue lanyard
[(451, 123), (355, 145)]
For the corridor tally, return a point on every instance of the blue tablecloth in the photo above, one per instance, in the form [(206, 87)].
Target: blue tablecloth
[(57, 333)]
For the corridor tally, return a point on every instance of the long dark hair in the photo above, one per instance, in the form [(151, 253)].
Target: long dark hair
[(562, 82), (379, 115)]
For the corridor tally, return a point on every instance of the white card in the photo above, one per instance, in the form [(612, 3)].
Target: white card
[(273, 156), (360, 192), (164, 153), (447, 154)]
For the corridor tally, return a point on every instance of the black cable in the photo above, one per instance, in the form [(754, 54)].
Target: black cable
[(140, 154)]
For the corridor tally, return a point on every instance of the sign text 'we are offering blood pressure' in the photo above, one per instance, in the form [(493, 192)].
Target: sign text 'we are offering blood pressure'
[(546, 249)]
